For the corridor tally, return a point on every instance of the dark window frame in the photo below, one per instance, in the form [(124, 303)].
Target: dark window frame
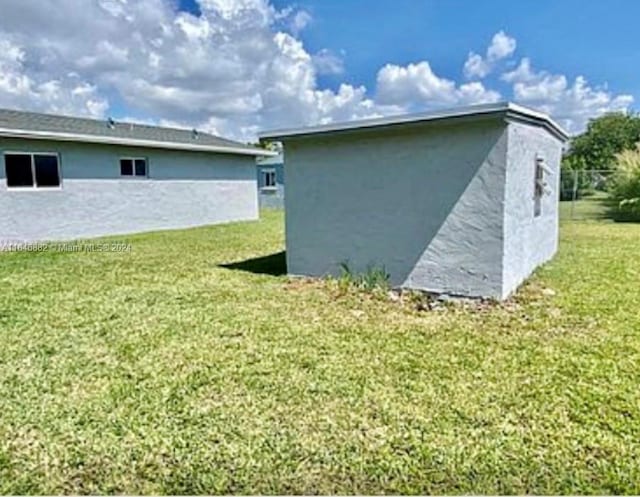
[(266, 173), (133, 174), (34, 176)]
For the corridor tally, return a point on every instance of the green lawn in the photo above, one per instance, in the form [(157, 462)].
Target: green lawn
[(163, 371), (597, 207)]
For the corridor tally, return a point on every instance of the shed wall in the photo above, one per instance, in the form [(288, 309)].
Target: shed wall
[(183, 189), (529, 240), (424, 202)]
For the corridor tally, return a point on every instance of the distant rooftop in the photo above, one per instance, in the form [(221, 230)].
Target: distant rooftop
[(472, 112), (33, 125), (271, 161)]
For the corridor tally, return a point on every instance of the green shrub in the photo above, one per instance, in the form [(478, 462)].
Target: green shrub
[(625, 185)]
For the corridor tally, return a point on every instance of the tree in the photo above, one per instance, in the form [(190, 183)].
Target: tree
[(605, 137), (596, 148)]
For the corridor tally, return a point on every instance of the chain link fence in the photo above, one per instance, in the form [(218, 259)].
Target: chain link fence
[(584, 195)]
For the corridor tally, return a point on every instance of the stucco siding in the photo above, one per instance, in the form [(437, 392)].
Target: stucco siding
[(465, 257), (271, 198), (425, 202), (183, 189), (529, 240)]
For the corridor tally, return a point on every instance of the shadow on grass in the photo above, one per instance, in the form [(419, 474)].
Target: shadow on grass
[(272, 264)]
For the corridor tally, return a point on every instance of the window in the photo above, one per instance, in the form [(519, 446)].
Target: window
[(126, 167), (140, 167), (133, 166), (25, 170), (268, 179), (18, 170), (46, 167)]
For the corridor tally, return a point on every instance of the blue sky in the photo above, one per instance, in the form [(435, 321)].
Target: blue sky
[(235, 67), (596, 39)]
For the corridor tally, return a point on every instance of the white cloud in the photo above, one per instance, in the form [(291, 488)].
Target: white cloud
[(476, 93), (521, 73), (476, 66), (235, 69), (299, 21), (417, 86), (572, 104), (327, 62), (67, 95), (403, 85), (501, 47)]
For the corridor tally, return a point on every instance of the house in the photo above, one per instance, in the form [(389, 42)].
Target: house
[(271, 181), (66, 177), (461, 202)]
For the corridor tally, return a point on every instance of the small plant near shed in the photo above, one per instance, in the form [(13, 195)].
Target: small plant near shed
[(374, 279)]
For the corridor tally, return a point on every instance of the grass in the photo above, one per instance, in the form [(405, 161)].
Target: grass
[(596, 207), (193, 365)]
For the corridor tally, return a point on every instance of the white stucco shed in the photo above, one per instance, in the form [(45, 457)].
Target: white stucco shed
[(461, 202)]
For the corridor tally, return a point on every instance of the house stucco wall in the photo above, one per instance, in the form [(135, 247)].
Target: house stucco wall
[(529, 240), (425, 202), (183, 189), (272, 198)]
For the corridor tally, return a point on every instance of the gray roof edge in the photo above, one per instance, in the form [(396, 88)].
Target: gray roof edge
[(58, 127), (527, 114), (133, 142), (500, 108)]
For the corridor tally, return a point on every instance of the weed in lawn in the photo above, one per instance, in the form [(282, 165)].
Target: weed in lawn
[(374, 279)]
